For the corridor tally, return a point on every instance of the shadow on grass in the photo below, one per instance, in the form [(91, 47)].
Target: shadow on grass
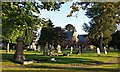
[(62, 60), (79, 70), (76, 61), (59, 59), (7, 57), (74, 68)]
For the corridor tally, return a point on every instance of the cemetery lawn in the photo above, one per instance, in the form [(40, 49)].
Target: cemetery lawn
[(78, 62)]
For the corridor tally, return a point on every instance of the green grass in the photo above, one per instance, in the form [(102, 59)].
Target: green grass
[(84, 62)]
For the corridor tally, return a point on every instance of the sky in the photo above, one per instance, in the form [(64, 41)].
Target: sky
[(59, 18)]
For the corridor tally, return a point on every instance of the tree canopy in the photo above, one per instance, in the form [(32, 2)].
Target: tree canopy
[(69, 27), (104, 17), (115, 40), (50, 34), (18, 19)]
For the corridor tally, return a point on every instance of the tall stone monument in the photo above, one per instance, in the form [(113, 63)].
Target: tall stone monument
[(19, 49)]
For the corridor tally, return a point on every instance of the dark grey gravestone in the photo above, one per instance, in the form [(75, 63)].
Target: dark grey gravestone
[(19, 50), (19, 57)]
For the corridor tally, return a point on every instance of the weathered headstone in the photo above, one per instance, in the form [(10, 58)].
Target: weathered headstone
[(105, 50), (79, 50), (98, 51), (59, 48), (51, 50), (19, 49), (33, 45), (45, 53), (71, 50), (38, 48), (8, 47)]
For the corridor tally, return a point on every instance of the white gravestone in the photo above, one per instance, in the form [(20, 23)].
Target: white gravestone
[(98, 51), (59, 48), (71, 50), (34, 46), (105, 50)]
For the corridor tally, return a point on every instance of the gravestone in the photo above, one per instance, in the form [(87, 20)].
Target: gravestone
[(98, 51), (38, 48), (51, 50), (19, 57), (105, 50), (45, 53), (19, 49), (71, 50), (59, 48), (33, 45)]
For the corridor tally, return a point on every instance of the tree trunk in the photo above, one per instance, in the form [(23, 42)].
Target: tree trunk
[(79, 50), (101, 46), (86, 46), (108, 47), (101, 43), (8, 48)]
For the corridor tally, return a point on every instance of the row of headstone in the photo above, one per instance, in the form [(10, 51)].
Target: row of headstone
[(98, 51), (34, 46), (59, 50), (45, 51)]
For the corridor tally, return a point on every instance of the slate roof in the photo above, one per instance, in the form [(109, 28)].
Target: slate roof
[(82, 38), (69, 35)]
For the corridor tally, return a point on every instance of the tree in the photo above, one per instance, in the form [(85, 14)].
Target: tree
[(19, 20), (46, 37), (53, 36), (115, 42), (69, 27), (104, 20), (104, 17), (59, 37)]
